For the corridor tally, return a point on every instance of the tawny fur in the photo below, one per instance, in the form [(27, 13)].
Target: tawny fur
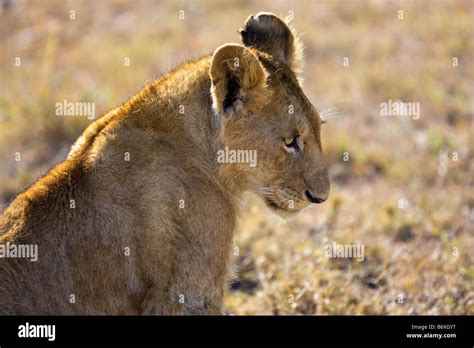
[(144, 178)]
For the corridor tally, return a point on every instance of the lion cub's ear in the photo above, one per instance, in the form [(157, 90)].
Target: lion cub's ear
[(237, 78), (270, 34)]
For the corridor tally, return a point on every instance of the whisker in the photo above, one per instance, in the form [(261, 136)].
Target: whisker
[(334, 111), (334, 114), (326, 111)]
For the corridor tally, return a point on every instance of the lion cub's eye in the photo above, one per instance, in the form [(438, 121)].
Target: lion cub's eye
[(292, 143)]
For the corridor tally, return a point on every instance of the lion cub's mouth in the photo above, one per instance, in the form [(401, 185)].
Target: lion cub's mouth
[(279, 210)]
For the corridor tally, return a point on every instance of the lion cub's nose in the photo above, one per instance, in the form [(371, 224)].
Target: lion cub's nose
[(314, 199)]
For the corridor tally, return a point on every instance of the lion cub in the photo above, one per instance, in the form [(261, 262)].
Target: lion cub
[(140, 217)]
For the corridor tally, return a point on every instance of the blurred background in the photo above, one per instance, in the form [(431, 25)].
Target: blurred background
[(401, 187)]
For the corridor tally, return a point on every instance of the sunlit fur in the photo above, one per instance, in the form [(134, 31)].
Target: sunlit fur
[(170, 204)]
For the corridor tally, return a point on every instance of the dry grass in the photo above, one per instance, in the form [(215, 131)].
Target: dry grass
[(418, 260)]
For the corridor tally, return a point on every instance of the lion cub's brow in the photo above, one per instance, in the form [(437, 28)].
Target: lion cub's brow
[(295, 93)]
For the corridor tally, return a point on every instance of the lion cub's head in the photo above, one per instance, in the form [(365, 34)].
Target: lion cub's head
[(262, 109)]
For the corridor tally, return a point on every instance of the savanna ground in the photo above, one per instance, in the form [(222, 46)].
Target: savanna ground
[(401, 187)]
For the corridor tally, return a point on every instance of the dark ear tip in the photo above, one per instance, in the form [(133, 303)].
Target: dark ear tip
[(244, 35)]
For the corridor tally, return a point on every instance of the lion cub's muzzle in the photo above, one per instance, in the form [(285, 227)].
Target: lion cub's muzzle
[(318, 192)]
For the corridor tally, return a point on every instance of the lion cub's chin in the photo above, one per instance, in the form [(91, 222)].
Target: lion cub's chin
[(284, 213)]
